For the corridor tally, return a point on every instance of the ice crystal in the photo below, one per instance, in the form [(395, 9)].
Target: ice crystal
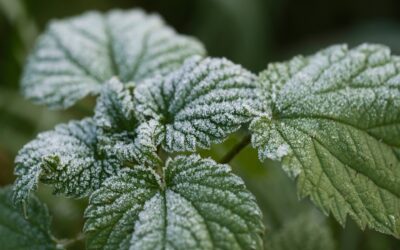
[(199, 104), (74, 57), (119, 132), (333, 118), (66, 158), (196, 204)]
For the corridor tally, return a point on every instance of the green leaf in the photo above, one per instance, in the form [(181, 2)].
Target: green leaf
[(115, 108), (196, 204), (305, 232), (334, 120), (75, 56), (67, 158), (119, 133), (199, 104), (19, 233)]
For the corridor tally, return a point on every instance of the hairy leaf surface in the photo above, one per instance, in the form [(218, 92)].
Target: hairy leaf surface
[(74, 57), (119, 132), (199, 104), (19, 233), (334, 120), (67, 158), (197, 204)]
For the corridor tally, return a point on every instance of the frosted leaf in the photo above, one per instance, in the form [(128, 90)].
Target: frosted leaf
[(115, 108), (196, 204), (66, 158), (199, 104), (119, 133), (303, 232), (144, 147), (75, 56), (20, 233), (333, 118)]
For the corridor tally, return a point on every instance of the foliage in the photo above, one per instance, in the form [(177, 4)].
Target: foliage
[(331, 118), (193, 204), (29, 231)]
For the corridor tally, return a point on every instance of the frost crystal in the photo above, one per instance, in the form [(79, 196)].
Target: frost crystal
[(74, 57), (66, 158), (197, 204), (334, 119), (18, 232), (119, 132), (199, 104)]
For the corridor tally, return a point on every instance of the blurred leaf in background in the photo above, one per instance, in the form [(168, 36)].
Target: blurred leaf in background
[(306, 231)]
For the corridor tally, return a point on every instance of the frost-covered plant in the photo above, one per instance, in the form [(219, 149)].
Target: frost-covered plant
[(332, 119)]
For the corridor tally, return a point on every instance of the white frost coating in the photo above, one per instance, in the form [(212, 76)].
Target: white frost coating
[(138, 146), (144, 147), (149, 224), (185, 227), (293, 170), (277, 154), (65, 158), (116, 206), (199, 104), (282, 151), (334, 119), (119, 133), (75, 56), (198, 205), (115, 107)]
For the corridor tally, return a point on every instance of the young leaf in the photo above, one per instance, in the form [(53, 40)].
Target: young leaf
[(304, 232), (334, 120), (197, 204), (19, 233), (199, 104), (67, 158), (119, 133), (74, 57)]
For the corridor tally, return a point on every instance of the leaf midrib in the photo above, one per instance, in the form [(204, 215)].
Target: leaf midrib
[(352, 209), (336, 157), (348, 81), (73, 60)]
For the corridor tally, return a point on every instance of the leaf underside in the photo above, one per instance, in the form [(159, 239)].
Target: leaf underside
[(199, 104), (333, 118), (19, 233), (198, 205), (75, 56)]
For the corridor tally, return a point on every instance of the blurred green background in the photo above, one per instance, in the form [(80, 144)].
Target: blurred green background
[(249, 32)]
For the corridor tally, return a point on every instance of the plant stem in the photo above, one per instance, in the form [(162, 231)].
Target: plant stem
[(236, 149)]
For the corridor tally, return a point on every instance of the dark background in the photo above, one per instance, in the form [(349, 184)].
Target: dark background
[(249, 32)]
